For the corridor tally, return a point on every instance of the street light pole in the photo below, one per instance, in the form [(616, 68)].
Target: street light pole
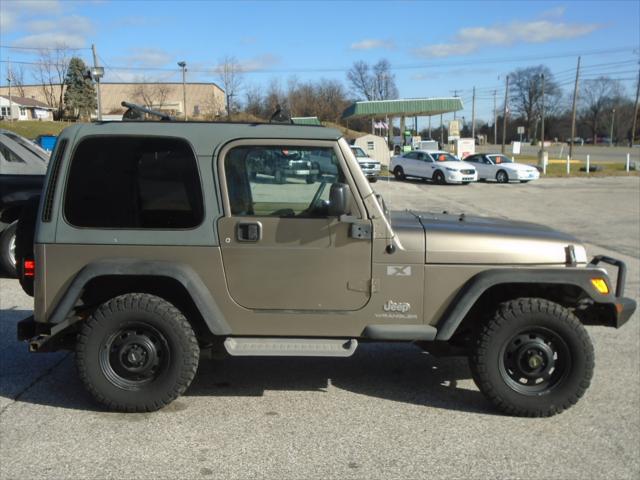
[(542, 115), (613, 117), (229, 96), (183, 66)]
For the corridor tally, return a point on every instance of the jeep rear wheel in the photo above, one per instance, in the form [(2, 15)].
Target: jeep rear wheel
[(137, 353), (533, 358)]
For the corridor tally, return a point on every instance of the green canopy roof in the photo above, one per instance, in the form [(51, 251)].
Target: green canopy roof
[(404, 107), (305, 121)]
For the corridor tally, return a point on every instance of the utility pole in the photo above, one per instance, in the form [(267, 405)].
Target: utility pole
[(635, 113), (613, 117), (504, 114), (473, 115), (97, 79), (455, 94), (10, 97), (573, 113), (495, 119), (183, 66), (542, 115)]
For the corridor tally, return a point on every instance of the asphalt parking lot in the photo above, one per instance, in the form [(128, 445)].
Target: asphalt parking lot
[(390, 411)]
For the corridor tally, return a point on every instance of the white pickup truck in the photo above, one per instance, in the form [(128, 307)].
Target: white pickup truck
[(439, 167)]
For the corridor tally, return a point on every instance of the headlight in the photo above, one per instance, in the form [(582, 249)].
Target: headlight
[(451, 169)]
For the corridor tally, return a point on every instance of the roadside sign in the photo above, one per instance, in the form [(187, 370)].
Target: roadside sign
[(521, 130), (516, 148)]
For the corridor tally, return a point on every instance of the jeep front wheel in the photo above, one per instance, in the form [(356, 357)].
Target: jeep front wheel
[(137, 353), (533, 358)]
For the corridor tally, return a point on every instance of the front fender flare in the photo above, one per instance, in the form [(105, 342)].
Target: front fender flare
[(479, 283)]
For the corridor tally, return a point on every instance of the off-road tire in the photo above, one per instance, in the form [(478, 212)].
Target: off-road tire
[(522, 315), (8, 249), (438, 178), (502, 177), (120, 313), (398, 172)]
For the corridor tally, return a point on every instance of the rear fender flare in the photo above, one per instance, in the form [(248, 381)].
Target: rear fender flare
[(182, 273)]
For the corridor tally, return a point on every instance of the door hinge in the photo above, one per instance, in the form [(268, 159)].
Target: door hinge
[(361, 231), (366, 286)]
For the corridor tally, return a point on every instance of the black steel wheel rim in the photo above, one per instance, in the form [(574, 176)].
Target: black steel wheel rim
[(535, 361), (134, 355)]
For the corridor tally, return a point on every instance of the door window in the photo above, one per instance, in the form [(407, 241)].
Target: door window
[(281, 181)]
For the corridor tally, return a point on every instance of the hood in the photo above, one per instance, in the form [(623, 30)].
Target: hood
[(462, 239)]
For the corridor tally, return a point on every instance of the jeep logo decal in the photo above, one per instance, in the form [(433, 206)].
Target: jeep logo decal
[(392, 306)]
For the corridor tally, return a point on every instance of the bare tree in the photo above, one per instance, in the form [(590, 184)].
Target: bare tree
[(230, 75), (384, 82), (51, 71), (274, 96), (526, 99), (360, 79), (373, 83), (151, 94), (16, 75), (598, 97), (253, 104)]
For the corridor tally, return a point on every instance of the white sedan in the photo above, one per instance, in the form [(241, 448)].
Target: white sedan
[(439, 167), (502, 169)]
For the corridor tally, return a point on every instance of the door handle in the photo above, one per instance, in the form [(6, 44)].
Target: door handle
[(249, 231)]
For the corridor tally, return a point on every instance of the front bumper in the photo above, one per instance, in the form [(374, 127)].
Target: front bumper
[(370, 169), (624, 306), (528, 175), (458, 177)]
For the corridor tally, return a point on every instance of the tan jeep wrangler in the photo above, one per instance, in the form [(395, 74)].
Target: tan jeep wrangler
[(155, 241)]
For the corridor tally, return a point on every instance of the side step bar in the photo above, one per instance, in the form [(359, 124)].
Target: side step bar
[(290, 347)]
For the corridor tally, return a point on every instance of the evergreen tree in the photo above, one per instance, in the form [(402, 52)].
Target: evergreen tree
[(80, 94)]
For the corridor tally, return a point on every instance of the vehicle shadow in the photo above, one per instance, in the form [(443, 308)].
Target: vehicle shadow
[(398, 372)]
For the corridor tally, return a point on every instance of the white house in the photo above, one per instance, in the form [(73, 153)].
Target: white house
[(21, 108)]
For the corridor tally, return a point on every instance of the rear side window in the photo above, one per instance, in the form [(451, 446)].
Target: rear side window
[(134, 182)]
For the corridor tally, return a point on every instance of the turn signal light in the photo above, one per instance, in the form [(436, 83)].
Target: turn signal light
[(600, 285), (29, 268)]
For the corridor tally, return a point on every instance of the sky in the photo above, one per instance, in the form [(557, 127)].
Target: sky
[(436, 49)]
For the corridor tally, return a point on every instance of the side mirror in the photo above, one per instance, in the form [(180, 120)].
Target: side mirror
[(338, 199)]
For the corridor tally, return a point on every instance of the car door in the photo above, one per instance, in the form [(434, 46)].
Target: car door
[(421, 165), (281, 249), (408, 163), (488, 169), (430, 166)]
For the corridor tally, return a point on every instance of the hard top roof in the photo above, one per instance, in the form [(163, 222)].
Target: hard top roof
[(218, 130)]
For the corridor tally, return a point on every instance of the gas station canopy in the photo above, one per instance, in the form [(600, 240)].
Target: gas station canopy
[(409, 107)]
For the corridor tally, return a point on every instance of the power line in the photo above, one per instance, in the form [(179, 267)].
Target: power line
[(14, 47)]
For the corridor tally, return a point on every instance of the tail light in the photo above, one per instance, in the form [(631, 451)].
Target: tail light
[(29, 268)]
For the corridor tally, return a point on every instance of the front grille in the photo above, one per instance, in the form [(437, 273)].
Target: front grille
[(468, 172)]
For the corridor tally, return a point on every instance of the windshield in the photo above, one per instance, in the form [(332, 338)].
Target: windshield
[(445, 157), (500, 159), (359, 153)]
